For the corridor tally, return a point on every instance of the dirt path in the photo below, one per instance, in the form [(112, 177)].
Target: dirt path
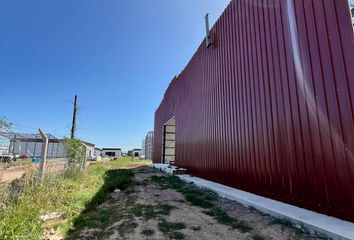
[(10, 175), (157, 207)]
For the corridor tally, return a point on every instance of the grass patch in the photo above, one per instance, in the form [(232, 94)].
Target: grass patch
[(123, 162), (165, 209), (69, 192), (145, 211), (148, 232), (195, 196), (127, 226), (113, 179), (201, 198), (258, 237), (196, 228), (166, 227), (171, 229), (243, 226), (151, 211), (176, 235), (223, 218), (96, 219)]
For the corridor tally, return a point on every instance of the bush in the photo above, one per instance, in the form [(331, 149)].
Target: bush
[(75, 150)]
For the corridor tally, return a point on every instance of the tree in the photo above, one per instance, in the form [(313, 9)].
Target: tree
[(5, 126), (75, 151)]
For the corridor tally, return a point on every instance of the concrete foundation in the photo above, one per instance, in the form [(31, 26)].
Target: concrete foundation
[(329, 226)]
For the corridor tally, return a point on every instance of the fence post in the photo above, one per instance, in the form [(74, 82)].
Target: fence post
[(83, 163), (43, 155)]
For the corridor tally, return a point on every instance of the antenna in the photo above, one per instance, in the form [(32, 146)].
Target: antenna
[(208, 39)]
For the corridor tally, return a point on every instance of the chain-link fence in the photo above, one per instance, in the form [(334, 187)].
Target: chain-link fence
[(11, 172), (22, 152)]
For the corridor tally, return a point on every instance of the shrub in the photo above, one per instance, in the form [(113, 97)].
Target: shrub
[(75, 150)]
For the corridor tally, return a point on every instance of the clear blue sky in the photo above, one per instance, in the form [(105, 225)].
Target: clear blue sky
[(117, 55)]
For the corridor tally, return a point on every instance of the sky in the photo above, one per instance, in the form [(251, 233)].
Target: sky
[(118, 56)]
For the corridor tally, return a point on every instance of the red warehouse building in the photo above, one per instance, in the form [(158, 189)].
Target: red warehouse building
[(268, 106)]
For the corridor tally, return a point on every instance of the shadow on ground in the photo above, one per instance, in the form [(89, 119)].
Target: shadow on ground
[(94, 216)]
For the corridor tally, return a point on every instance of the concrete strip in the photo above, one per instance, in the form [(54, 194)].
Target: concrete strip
[(329, 226)]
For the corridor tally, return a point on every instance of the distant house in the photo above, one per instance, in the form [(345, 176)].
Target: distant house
[(111, 152), (136, 152)]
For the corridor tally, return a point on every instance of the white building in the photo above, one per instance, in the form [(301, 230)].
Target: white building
[(111, 152), (31, 145), (136, 152)]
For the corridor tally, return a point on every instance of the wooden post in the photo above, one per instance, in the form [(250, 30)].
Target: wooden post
[(43, 155)]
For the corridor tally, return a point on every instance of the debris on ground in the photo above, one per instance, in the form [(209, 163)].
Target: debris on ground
[(52, 216), (51, 234), (169, 169)]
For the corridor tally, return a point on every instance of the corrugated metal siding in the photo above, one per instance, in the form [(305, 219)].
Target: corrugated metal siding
[(269, 108)]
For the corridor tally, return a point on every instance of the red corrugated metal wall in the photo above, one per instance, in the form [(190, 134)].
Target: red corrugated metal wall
[(269, 107)]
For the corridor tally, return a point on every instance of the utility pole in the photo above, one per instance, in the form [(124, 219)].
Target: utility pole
[(73, 127)]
